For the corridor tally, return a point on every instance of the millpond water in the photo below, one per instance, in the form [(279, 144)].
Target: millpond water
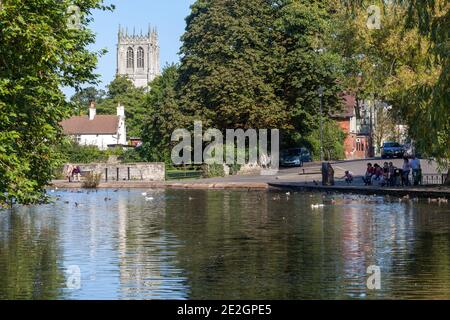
[(199, 244)]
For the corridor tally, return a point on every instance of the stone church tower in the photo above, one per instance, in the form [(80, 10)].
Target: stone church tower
[(138, 56)]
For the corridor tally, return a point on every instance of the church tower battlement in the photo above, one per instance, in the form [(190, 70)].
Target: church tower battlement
[(138, 56)]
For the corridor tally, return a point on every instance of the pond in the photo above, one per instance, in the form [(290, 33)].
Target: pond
[(205, 244)]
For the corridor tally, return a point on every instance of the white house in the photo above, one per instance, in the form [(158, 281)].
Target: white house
[(102, 131)]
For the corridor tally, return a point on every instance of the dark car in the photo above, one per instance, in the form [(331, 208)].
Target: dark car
[(392, 150), (295, 157)]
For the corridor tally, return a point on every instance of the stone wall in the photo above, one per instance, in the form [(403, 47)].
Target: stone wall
[(127, 171)]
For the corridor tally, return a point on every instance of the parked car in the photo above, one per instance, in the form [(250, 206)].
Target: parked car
[(392, 150), (295, 157)]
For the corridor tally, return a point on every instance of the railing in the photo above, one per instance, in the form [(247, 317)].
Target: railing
[(115, 175), (432, 179), (185, 174)]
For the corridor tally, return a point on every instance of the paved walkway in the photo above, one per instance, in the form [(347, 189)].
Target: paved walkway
[(306, 178)]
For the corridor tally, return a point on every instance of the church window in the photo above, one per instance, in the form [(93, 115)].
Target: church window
[(140, 58), (130, 58)]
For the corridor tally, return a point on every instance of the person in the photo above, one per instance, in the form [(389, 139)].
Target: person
[(405, 171), (348, 177), (378, 174), (330, 174), (368, 175), (385, 174), (416, 170), (392, 175), (76, 173), (68, 172)]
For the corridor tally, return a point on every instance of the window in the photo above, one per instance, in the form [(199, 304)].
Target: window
[(130, 58), (140, 58)]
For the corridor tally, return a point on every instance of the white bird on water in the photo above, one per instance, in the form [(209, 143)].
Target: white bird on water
[(317, 206), (144, 194), (148, 198)]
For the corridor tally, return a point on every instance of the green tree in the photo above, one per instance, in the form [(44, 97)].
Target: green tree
[(259, 64), (304, 34), (121, 90), (409, 63), (163, 116), (333, 141), (39, 54), (84, 96), (228, 65)]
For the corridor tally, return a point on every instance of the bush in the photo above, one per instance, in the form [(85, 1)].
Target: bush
[(130, 156), (92, 180), (213, 170)]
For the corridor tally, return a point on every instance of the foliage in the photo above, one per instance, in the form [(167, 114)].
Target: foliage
[(163, 116), (121, 90), (411, 66), (384, 128), (333, 141), (256, 64), (130, 156), (82, 98), (92, 180), (39, 54), (72, 152), (213, 170)]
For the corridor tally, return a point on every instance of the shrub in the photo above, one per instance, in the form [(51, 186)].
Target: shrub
[(92, 180), (213, 170)]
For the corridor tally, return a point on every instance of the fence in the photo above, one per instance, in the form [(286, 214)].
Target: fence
[(433, 179), (185, 174)]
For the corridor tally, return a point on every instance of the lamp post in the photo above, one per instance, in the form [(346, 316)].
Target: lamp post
[(321, 122)]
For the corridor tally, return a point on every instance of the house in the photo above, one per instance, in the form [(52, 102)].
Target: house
[(356, 126), (102, 131)]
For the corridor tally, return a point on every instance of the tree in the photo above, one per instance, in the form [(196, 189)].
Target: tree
[(121, 90), (384, 127), (304, 29), (414, 58), (84, 96), (228, 66), (163, 116), (259, 64), (39, 53)]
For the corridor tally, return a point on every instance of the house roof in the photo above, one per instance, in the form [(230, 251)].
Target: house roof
[(101, 124), (348, 107)]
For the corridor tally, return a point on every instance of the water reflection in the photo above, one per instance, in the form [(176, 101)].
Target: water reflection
[(224, 245)]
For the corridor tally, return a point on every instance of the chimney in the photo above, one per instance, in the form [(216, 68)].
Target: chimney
[(92, 110), (120, 110)]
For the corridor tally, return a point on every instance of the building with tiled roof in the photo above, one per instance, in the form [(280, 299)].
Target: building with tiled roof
[(103, 131)]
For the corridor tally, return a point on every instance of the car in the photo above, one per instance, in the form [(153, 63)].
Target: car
[(392, 150), (295, 157)]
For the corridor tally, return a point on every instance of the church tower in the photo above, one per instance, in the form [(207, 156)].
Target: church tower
[(138, 56)]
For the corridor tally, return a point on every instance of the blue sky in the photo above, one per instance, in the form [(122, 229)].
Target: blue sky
[(167, 15)]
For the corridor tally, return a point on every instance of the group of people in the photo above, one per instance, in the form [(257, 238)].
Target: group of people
[(389, 175), (73, 173)]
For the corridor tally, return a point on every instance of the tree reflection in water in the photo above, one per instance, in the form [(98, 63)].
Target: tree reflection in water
[(202, 244)]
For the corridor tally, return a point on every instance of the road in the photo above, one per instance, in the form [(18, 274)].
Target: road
[(311, 172)]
